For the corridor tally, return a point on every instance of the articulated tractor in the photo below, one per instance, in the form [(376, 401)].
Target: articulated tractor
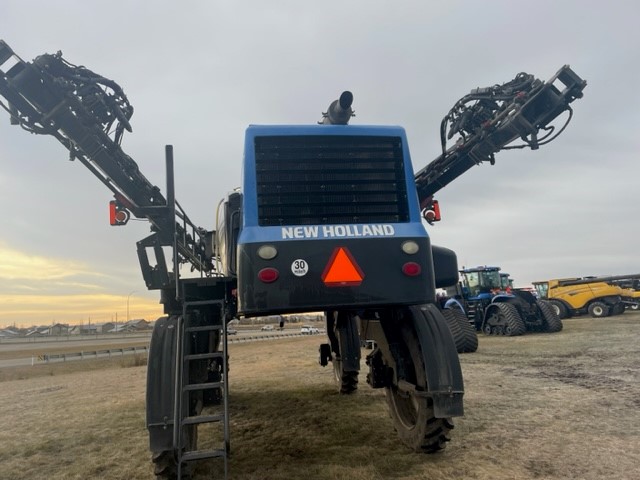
[(495, 308)]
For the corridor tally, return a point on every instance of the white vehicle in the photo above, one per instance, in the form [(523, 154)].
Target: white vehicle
[(267, 328), (309, 330)]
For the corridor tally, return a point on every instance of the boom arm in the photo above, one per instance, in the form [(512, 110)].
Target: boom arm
[(500, 115), (88, 114)]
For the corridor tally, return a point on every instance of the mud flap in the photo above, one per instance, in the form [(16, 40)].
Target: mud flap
[(161, 384), (442, 365), (349, 341)]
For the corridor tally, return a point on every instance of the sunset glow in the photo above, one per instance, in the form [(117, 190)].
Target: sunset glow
[(35, 290)]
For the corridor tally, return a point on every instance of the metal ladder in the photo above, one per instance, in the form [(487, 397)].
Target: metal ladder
[(183, 388)]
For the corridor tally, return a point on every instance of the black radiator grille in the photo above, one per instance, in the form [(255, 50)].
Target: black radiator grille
[(319, 180)]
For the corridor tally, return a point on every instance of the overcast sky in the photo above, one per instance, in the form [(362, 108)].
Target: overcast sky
[(198, 73)]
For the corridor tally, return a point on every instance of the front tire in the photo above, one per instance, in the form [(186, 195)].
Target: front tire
[(598, 310), (559, 308), (413, 415), (344, 337), (347, 381)]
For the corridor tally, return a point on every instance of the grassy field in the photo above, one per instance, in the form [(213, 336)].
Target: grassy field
[(560, 406), (30, 349)]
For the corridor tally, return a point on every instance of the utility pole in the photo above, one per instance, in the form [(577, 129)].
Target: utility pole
[(129, 296)]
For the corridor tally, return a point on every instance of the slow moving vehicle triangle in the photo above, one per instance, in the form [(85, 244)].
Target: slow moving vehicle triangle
[(342, 270)]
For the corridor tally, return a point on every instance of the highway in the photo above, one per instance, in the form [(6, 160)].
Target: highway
[(14, 351)]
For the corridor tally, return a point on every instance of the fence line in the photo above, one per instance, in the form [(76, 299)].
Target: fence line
[(63, 357), (273, 336), (92, 354)]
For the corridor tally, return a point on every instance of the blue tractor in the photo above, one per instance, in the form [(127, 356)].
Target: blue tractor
[(495, 308)]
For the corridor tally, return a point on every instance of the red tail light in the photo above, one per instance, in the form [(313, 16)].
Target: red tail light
[(268, 275), (411, 269)]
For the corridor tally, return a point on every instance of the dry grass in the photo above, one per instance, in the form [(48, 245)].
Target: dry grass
[(537, 407), (72, 366), (34, 349)]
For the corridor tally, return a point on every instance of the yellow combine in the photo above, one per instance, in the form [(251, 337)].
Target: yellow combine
[(597, 296)]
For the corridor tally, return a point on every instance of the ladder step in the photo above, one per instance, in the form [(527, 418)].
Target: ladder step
[(203, 386), (203, 356), (196, 420), (206, 328), (217, 416), (203, 454)]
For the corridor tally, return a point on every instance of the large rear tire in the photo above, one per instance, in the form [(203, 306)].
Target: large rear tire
[(463, 332), (468, 331), (165, 465), (455, 328), (413, 415), (550, 320)]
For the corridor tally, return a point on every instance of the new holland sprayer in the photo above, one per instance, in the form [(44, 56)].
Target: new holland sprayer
[(330, 218)]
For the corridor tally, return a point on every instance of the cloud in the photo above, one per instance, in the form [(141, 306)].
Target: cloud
[(16, 265), (37, 289)]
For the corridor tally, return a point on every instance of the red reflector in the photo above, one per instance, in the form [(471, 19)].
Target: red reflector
[(342, 270), (431, 211), (118, 215), (411, 269), (112, 212), (268, 275)]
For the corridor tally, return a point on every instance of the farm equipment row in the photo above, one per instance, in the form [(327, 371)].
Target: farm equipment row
[(494, 307)]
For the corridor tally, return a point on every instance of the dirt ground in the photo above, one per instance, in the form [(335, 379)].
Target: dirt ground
[(540, 406)]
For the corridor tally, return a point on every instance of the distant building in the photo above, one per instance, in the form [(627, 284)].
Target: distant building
[(104, 327), (58, 329), (138, 324), (9, 332), (131, 326), (91, 329), (38, 332)]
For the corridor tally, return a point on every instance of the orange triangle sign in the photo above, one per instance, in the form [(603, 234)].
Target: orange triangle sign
[(342, 270)]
